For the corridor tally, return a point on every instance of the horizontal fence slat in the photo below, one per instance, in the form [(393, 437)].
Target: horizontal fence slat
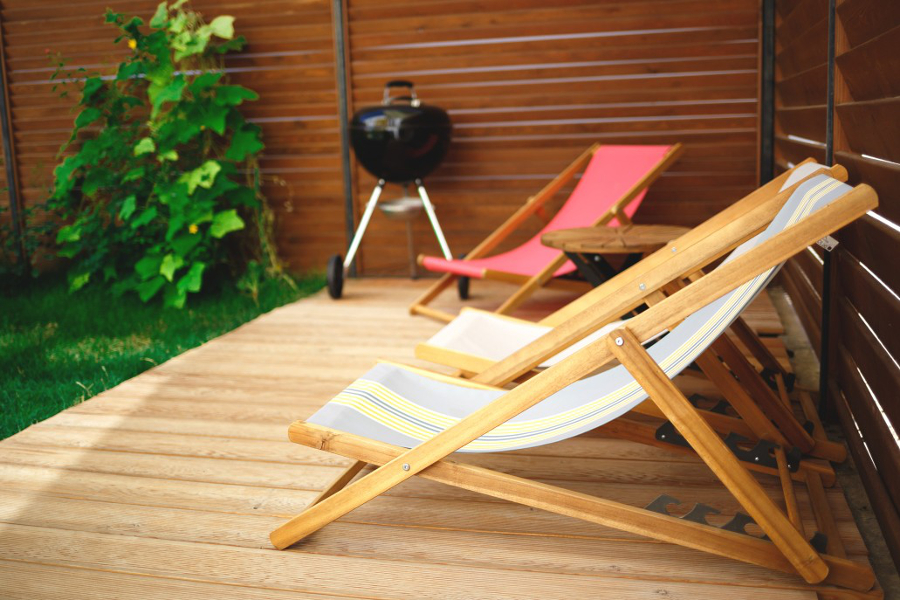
[(870, 69), (880, 371), (878, 437), (877, 305)]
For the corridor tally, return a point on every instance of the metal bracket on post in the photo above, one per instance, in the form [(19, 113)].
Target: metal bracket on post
[(828, 243)]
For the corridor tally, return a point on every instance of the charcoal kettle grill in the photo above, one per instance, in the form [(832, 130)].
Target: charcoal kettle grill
[(399, 141)]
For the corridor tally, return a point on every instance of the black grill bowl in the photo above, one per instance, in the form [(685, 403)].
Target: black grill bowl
[(402, 140)]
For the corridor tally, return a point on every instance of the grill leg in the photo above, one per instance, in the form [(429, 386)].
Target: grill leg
[(367, 216), (429, 208)]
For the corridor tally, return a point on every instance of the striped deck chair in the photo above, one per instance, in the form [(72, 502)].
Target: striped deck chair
[(609, 192), (409, 423), (481, 344)]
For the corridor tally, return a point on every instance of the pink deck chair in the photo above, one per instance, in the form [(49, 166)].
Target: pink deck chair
[(609, 192)]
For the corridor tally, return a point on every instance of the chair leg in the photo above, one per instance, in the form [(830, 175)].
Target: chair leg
[(824, 517), (419, 306), (759, 350), (738, 397), (628, 349), (531, 286), (340, 482), (767, 400), (706, 538)]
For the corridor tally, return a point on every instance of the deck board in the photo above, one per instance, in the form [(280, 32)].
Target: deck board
[(167, 486)]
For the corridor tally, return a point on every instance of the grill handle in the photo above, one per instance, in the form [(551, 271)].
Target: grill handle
[(387, 99)]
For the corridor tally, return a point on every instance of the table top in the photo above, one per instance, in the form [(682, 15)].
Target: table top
[(627, 239)]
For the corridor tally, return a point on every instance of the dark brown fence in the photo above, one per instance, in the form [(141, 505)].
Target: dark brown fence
[(528, 85), (863, 376)]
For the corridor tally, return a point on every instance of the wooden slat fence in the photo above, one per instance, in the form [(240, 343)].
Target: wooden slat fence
[(864, 315), (529, 85)]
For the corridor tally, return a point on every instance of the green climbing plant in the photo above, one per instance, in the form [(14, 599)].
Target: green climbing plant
[(162, 193)]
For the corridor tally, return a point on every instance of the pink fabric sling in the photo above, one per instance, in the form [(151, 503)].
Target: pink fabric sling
[(612, 171)]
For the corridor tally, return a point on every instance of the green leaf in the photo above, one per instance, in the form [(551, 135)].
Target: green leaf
[(160, 16), (144, 218), (185, 243), (109, 273), (128, 206), (133, 26), (91, 87), (95, 179), (244, 196), (175, 297), (233, 95), (223, 26), (76, 282), (63, 174), (225, 222), (69, 233), (203, 176), (245, 142), (205, 81), (68, 252), (144, 146), (148, 266), (168, 93), (193, 279), (127, 70), (233, 44), (133, 174), (213, 116), (148, 289), (178, 23), (87, 116), (170, 155), (170, 264)]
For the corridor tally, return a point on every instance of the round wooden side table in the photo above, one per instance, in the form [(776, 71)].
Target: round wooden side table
[(586, 246)]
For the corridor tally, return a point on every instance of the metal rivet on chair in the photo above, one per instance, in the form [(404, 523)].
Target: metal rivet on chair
[(406, 466), (674, 250), (643, 286), (619, 341)]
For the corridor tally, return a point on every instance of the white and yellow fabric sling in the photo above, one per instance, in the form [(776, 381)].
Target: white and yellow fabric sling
[(403, 407)]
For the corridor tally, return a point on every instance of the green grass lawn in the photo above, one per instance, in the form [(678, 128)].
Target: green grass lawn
[(58, 349)]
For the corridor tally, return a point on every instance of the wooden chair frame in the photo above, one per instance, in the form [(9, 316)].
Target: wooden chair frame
[(787, 550), (763, 414), (534, 206)]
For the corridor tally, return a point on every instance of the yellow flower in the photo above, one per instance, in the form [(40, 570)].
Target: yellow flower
[(193, 228), (132, 44)]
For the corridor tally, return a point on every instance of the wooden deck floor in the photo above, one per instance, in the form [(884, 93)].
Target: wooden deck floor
[(167, 486)]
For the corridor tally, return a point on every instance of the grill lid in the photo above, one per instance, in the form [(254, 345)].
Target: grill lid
[(402, 139)]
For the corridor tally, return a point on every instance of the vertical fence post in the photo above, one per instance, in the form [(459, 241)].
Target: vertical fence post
[(9, 155), (339, 21), (827, 265), (767, 93)]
